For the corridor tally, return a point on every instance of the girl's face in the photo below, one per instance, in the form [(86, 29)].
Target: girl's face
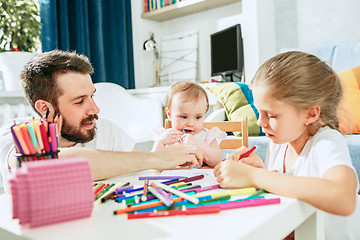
[(187, 115), (281, 122)]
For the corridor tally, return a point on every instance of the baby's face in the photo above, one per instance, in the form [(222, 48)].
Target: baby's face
[(188, 115)]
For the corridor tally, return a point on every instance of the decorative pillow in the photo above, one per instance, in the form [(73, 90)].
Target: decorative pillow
[(349, 112), (238, 102)]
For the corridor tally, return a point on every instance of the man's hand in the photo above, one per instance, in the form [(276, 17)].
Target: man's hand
[(176, 155)]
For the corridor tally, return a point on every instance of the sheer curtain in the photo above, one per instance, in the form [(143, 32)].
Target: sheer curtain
[(99, 29)]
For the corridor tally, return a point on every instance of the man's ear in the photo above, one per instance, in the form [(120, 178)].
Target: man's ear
[(42, 106), (168, 113), (312, 114)]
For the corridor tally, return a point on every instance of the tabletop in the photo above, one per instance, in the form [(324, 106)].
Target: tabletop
[(262, 222)]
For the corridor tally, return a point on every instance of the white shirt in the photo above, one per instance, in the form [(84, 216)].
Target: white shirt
[(108, 137), (205, 135), (326, 149)]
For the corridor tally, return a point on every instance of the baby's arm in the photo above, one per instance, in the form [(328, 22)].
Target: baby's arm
[(211, 151), (168, 137), (335, 192)]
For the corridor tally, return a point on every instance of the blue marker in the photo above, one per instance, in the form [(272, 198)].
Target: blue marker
[(183, 131)]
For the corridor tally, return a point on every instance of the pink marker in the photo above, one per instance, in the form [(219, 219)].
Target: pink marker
[(52, 129)]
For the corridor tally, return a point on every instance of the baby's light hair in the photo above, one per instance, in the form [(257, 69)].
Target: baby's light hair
[(302, 80), (188, 91)]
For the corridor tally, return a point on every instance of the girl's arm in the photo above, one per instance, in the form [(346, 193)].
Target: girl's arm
[(335, 192), (212, 152)]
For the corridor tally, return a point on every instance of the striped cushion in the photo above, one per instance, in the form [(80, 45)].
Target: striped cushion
[(238, 102)]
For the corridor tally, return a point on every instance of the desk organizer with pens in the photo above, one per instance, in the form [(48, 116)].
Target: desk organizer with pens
[(35, 140), (50, 191)]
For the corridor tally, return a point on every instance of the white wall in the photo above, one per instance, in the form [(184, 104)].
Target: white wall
[(257, 34), (267, 27), (306, 24)]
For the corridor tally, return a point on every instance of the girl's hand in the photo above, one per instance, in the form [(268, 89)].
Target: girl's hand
[(170, 137), (253, 159), (233, 174)]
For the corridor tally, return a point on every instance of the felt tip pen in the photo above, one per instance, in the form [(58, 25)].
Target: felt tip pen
[(245, 155), (178, 193), (144, 195), (246, 203), (160, 194), (190, 211), (160, 177)]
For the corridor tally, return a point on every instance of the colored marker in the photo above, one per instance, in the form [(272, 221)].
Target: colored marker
[(208, 188), (38, 135), (160, 177), (33, 138), (245, 155), (27, 139), (123, 189), (52, 130), (160, 194), (144, 195), (232, 192), (178, 193), (16, 140), (44, 137), (189, 179), (190, 211), (246, 203), (143, 206)]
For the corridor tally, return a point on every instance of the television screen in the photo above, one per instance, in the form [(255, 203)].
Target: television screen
[(227, 53)]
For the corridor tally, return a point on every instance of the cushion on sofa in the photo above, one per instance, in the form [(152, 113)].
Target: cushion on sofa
[(349, 113), (238, 101)]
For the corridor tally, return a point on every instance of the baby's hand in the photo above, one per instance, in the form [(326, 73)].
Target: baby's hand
[(189, 139), (170, 136)]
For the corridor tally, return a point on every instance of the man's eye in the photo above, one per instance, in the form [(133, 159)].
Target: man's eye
[(80, 102), (271, 116)]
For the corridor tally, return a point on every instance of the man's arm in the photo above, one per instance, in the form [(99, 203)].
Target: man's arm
[(106, 164)]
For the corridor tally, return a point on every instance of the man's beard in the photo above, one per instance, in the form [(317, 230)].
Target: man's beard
[(72, 134)]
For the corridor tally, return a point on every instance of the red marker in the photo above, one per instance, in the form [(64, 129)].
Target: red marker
[(245, 155)]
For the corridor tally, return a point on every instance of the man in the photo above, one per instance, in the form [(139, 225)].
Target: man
[(59, 82)]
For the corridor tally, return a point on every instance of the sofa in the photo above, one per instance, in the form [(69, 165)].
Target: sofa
[(344, 59)]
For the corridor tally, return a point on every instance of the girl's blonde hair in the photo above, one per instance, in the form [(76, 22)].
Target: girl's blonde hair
[(303, 80), (188, 91)]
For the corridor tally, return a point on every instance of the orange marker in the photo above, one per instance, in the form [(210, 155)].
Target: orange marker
[(144, 206)]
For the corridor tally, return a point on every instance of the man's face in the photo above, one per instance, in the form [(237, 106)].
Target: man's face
[(77, 107)]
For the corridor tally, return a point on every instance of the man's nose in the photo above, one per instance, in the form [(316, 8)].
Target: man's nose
[(94, 109)]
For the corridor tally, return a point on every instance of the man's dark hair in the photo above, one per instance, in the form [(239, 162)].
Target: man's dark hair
[(38, 78)]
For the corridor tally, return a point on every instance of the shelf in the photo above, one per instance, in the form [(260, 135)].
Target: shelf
[(183, 8)]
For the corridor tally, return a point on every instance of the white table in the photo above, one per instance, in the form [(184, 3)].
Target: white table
[(262, 222)]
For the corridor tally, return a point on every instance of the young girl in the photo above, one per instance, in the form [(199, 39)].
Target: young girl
[(186, 105), (297, 96)]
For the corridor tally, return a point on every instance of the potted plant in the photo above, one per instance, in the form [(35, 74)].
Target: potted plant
[(19, 38)]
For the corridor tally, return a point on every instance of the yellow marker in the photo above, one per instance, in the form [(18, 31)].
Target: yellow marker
[(231, 192), (178, 184)]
